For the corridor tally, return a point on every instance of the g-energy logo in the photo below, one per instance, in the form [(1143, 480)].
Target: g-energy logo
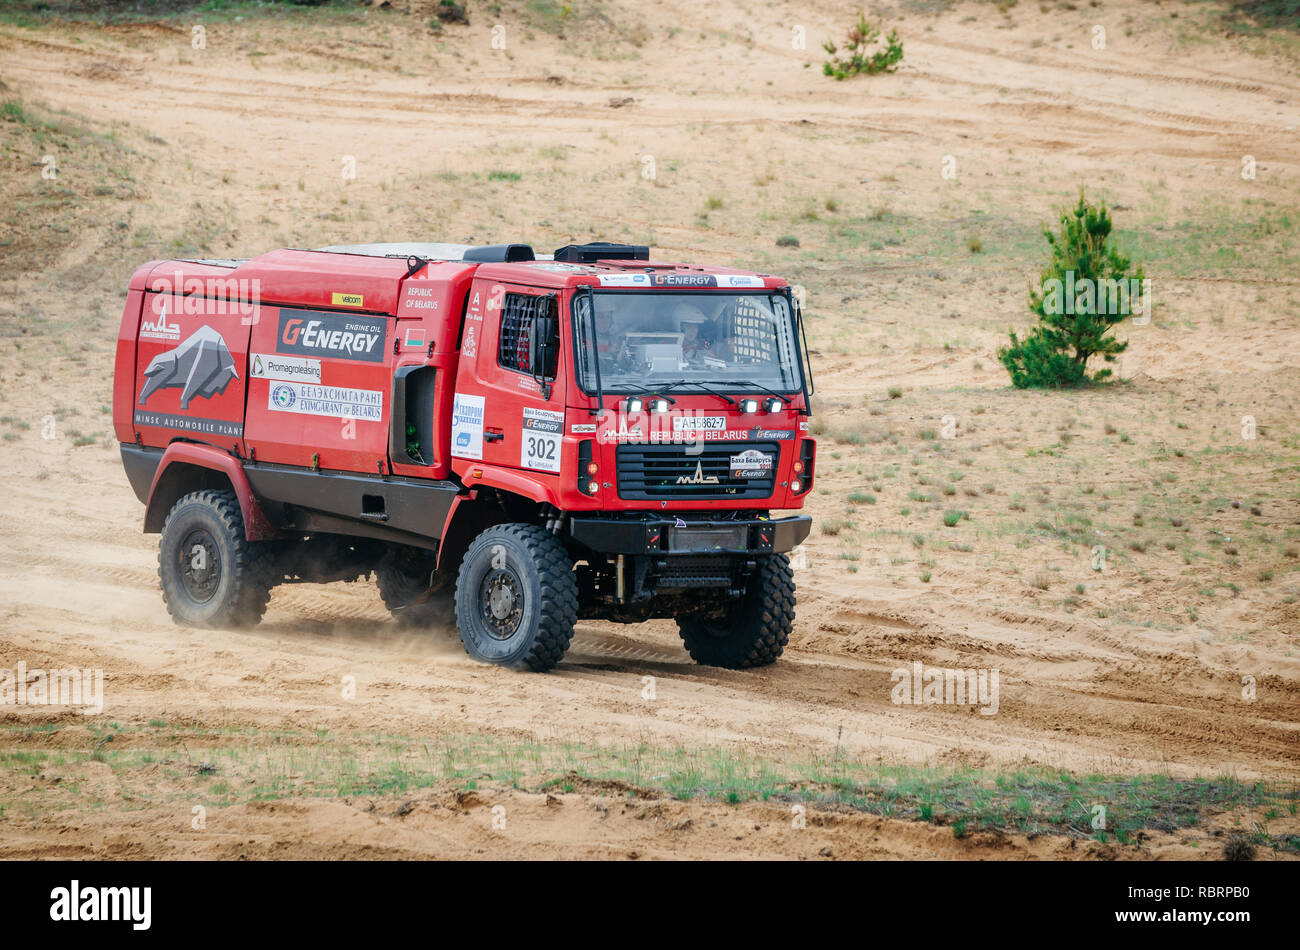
[(331, 335)]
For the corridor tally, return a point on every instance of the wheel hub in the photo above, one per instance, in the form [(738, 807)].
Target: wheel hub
[(501, 599), (200, 563)]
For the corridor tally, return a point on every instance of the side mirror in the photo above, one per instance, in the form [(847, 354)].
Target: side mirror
[(544, 343)]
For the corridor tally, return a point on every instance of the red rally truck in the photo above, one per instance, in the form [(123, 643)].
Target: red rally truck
[(509, 441)]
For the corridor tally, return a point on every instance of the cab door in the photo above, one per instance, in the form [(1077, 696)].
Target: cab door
[(509, 410)]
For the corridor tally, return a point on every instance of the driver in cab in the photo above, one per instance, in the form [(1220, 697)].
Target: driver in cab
[(690, 322)]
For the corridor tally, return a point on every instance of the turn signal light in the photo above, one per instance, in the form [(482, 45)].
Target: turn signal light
[(592, 468), (798, 466)]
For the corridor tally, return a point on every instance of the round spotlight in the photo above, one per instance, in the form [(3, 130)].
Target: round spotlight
[(592, 487), (634, 404), (796, 486), (749, 405)]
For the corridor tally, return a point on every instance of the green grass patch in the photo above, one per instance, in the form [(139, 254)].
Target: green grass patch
[(231, 766)]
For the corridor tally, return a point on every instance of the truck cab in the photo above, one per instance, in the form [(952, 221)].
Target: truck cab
[(507, 442)]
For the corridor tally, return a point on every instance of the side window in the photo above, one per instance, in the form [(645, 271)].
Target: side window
[(752, 337), (517, 312)]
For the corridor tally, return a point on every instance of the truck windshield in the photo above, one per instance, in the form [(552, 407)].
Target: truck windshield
[(645, 340)]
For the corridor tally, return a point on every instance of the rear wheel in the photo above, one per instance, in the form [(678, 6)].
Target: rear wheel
[(210, 575), (516, 598), (411, 591), (752, 631)]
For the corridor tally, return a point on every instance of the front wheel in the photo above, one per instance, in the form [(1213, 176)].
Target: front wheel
[(516, 599), (751, 632)]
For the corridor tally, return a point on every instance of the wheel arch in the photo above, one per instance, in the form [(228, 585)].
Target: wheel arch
[(473, 513), (187, 467)]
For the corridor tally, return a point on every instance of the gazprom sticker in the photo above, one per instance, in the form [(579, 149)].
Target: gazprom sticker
[(467, 426), (336, 401)]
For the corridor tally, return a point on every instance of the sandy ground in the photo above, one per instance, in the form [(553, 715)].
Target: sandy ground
[(1134, 669)]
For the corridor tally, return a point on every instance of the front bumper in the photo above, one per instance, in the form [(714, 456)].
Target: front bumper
[(668, 536)]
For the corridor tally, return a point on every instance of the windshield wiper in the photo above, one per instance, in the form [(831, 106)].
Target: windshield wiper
[(642, 389), (669, 387), (746, 382)]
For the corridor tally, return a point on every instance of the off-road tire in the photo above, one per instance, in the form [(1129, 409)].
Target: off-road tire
[(755, 630), (403, 578), (531, 567), (235, 568)]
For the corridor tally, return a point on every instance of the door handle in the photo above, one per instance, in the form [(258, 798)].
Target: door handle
[(494, 435)]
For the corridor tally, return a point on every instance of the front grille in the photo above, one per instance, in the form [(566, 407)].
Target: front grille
[(680, 471)]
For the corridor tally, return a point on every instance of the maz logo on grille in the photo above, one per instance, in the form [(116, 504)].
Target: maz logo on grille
[(699, 478)]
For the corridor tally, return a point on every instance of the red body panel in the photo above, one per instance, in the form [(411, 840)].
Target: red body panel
[(319, 405), (429, 316)]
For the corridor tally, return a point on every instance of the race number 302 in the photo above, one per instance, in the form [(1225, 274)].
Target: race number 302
[(540, 446)]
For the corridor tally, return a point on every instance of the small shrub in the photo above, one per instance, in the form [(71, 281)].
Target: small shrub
[(833, 526), (1238, 847), (449, 11), (787, 240), (952, 517), (861, 38)]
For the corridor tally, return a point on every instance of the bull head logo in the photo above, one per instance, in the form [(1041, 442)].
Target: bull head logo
[(200, 366)]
